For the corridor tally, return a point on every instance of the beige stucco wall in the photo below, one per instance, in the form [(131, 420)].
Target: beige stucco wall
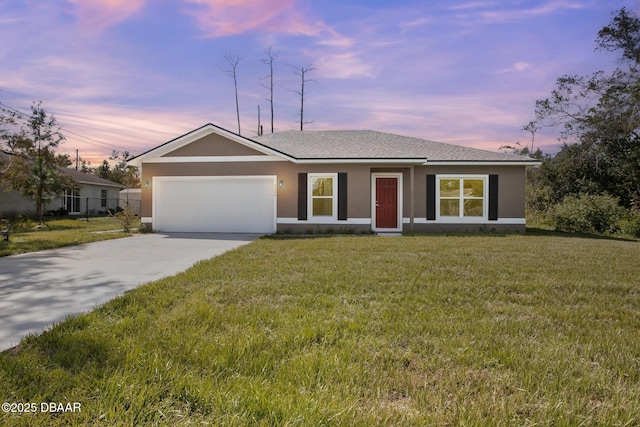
[(358, 189), (510, 188), (511, 185), (213, 145)]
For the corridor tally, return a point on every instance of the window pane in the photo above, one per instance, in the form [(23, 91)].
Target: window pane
[(449, 207), (322, 187), (473, 207), (322, 207), (473, 188), (449, 188)]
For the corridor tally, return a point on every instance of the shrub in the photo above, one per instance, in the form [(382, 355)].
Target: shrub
[(631, 224), (19, 223), (144, 228), (57, 212), (116, 211), (588, 213), (125, 217)]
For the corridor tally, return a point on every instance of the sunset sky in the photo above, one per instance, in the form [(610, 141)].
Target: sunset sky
[(132, 74)]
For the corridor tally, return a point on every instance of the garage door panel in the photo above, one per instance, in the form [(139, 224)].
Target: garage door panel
[(215, 204)]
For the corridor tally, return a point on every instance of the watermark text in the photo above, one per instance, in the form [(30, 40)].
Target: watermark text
[(49, 407)]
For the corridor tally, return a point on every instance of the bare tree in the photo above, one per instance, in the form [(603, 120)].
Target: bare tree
[(232, 70), (302, 73), (271, 57)]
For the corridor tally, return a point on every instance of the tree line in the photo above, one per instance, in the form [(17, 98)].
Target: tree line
[(593, 182), (117, 170)]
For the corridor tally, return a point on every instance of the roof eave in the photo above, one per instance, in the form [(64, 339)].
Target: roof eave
[(483, 163), (377, 160), (100, 184)]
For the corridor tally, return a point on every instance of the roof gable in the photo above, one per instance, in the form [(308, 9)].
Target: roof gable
[(214, 145), (222, 146)]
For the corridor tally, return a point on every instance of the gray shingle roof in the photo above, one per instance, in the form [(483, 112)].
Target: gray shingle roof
[(85, 178), (368, 144)]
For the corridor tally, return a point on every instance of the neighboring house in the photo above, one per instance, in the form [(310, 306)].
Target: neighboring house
[(213, 180), (92, 195)]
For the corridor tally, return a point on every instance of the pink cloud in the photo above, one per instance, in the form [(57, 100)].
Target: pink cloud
[(543, 9), (517, 67), (100, 129), (219, 18), (344, 65), (97, 15)]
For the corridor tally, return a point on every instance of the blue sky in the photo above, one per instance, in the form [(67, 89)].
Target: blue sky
[(132, 74)]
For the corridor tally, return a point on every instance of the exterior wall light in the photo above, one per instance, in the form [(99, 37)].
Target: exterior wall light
[(146, 184), (281, 183)]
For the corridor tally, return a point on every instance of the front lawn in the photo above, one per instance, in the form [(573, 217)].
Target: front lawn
[(421, 330), (58, 232)]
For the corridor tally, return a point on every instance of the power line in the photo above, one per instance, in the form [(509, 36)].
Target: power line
[(86, 138), (94, 140)]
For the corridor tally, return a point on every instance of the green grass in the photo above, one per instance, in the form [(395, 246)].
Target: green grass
[(57, 233), (347, 331)]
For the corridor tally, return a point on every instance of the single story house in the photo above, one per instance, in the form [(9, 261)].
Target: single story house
[(213, 180), (91, 193)]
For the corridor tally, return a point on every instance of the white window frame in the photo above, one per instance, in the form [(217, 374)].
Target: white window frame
[(461, 218), (334, 197), (71, 197), (104, 201)]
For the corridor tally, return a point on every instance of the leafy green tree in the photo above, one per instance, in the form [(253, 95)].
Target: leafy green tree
[(104, 170), (124, 173), (32, 166), (120, 172), (85, 166), (599, 117)]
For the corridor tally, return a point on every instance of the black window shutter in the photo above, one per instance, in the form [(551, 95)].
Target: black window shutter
[(302, 196), (342, 196), (493, 197), (431, 197)]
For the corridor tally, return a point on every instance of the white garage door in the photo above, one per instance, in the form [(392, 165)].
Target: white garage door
[(234, 204)]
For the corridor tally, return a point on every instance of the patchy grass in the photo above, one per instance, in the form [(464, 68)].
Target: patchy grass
[(56, 233), (421, 330)]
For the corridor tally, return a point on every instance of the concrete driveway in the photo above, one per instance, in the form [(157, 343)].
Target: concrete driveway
[(40, 288)]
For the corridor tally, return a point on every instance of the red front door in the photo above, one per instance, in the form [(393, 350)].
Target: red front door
[(386, 202)]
